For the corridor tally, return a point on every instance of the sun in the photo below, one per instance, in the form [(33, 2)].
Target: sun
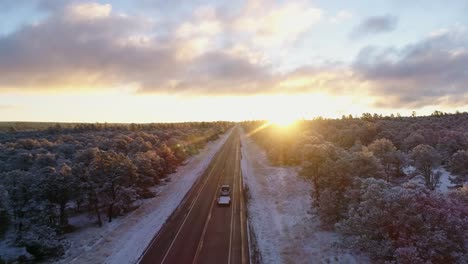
[(283, 121)]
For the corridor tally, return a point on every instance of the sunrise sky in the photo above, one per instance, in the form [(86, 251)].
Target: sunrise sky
[(163, 61)]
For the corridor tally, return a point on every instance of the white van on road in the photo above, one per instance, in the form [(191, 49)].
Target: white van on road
[(224, 195)]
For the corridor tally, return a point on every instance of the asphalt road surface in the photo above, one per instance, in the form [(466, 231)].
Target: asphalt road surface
[(201, 231)]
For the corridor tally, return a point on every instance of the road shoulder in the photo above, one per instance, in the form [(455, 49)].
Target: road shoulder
[(285, 228)]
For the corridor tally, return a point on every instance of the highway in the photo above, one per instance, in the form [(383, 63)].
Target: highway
[(201, 231)]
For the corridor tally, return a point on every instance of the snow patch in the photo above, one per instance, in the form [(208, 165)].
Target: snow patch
[(444, 182), (409, 170), (11, 253), (444, 185), (285, 227), (126, 238)]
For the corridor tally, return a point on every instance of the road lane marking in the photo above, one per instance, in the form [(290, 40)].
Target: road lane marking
[(232, 209), (205, 227), (214, 159), (236, 179), (190, 210)]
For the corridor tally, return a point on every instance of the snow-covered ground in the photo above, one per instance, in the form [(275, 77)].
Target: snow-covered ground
[(286, 229), (10, 253), (125, 239), (444, 181)]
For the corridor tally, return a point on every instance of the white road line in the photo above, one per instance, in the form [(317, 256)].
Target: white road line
[(232, 208), (205, 227), (190, 210)]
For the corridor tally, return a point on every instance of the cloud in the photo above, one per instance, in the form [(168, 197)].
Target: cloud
[(429, 72), (342, 15), (267, 24), (329, 79), (89, 11), (90, 46), (200, 34), (214, 73), (64, 53), (375, 25)]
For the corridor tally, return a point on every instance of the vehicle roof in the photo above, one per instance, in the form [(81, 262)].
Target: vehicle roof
[(224, 199), (225, 185)]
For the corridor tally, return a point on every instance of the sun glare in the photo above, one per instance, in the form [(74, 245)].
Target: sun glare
[(282, 121)]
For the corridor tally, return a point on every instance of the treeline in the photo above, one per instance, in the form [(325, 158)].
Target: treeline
[(7, 129), (46, 176), (362, 187)]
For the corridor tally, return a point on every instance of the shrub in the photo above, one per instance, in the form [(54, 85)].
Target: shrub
[(407, 224), (42, 242)]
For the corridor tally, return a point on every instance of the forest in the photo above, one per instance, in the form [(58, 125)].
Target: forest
[(48, 175), (375, 180)]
